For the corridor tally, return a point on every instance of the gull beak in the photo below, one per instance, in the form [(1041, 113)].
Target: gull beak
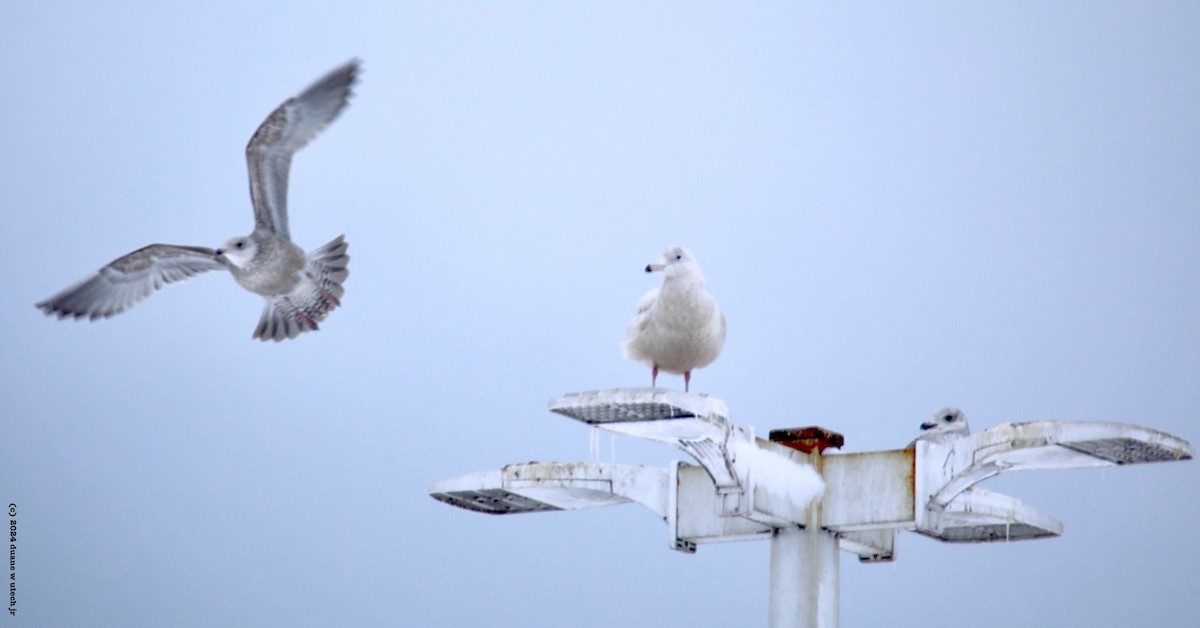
[(655, 266), (928, 425)]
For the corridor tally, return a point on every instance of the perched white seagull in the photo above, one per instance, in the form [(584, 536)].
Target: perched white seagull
[(300, 290), (678, 327), (946, 425)]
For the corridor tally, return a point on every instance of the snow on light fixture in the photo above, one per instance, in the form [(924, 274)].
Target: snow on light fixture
[(788, 490)]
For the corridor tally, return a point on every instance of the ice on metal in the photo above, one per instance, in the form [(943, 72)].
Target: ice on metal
[(746, 488), (1037, 445), (621, 405), (548, 486), (981, 516), (696, 423)]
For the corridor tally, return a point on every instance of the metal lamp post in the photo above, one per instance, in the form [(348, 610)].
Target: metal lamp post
[(868, 496)]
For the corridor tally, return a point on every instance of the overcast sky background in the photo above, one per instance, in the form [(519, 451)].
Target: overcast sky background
[(899, 206)]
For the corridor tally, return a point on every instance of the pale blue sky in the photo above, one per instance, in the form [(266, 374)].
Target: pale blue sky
[(899, 206)]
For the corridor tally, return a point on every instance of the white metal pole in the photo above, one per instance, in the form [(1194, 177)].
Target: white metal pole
[(804, 578), (805, 573)]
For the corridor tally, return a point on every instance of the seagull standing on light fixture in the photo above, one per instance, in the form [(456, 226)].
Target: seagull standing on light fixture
[(678, 327)]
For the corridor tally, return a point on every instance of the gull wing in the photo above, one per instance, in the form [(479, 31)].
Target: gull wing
[(129, 279), (288, 129), (641, 319)]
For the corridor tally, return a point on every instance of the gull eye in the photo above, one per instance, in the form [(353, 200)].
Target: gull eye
[(240, 245), (678, 257)]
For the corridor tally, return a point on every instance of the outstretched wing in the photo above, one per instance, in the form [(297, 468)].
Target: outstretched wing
[(292, 125), (129, 279)]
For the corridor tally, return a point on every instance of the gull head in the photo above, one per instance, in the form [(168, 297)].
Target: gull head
[(675, 261), (238, 251), (946, 421)]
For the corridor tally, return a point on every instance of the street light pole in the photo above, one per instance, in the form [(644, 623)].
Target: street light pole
[(746, 488), (805, 569), (805, 563)]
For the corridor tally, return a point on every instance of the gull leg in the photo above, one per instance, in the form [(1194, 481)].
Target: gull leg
[(653, 375), (687, 379)]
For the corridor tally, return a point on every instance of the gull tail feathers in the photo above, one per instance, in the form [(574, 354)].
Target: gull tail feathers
[(289, 315), (281, 320), (328, 266)]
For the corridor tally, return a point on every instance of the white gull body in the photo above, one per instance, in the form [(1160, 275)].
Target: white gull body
[(678, 327), (300, 289)]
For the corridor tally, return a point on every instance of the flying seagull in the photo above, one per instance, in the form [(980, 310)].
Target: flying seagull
[(300, 290), (946, 425), (678, 327)]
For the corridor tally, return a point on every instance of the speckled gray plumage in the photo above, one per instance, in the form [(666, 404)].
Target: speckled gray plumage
[(300, 289)]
